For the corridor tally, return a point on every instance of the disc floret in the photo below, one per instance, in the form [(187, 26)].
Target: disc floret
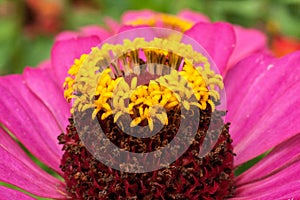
[(159, 84), (177, 73)]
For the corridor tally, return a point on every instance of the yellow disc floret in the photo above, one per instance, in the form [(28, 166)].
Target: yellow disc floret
[(165, 20), (69, 81), (180, 77)]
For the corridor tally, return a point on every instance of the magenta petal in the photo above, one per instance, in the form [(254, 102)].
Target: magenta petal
[(42, 84), (193, 16), (45, 64), (29, 120), (86, 31), (64, 53), (17, 169), (130, 16), (217, 39), (262, 97), (132, 34), (281, 156), (67, 35), (7, 193), (247, 41), (112, 25), (283, 183), (95, 31), (289, 192)]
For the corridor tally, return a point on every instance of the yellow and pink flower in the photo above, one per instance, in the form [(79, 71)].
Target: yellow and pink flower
[(262, 104)]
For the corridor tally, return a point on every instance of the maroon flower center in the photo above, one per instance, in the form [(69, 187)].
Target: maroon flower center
[(159, 85), (189, 177)]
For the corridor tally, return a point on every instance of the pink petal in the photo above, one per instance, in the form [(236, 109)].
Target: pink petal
[(64, 53), (29, 120), (98, 31), (247, 41), (217, 39), (45, 64), (281, 156), (7, 193), (17, 169), (41, 82), (262, 94), (92, 30), (283, 183), (192, 16), (285, 193), (66, 35), (112, 25), (130, 16), (132, 35)]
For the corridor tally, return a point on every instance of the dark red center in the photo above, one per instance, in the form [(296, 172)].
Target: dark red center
[(189, 177)]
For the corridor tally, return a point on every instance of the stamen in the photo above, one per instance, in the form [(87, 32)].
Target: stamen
[(73, 71), (159, 53), (147, 125), (165, 20)]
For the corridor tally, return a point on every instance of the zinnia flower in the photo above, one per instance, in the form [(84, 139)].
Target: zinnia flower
[(261, 101)]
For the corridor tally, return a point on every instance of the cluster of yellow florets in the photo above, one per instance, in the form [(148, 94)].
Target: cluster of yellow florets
[(166, 20), (70, 80), (152, 100), (108, 91)]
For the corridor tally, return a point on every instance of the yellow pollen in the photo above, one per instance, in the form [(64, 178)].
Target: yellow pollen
[(97, 81), (165, 20), (176, 22), (69, 81)]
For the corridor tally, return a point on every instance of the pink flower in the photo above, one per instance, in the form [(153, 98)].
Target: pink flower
[(261, 101)]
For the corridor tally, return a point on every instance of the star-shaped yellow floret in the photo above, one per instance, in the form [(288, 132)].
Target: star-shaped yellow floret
[(96, 81)]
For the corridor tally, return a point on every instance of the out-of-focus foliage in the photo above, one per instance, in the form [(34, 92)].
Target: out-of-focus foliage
[(27, 27)]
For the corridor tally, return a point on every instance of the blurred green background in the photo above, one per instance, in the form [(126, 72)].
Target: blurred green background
[(27, 27)]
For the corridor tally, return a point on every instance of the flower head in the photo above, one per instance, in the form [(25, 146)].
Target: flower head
[(135, 82), (151, 95)]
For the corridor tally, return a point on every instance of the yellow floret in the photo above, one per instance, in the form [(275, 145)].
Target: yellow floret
[(73, 71), (95, 83), (170, 21)]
